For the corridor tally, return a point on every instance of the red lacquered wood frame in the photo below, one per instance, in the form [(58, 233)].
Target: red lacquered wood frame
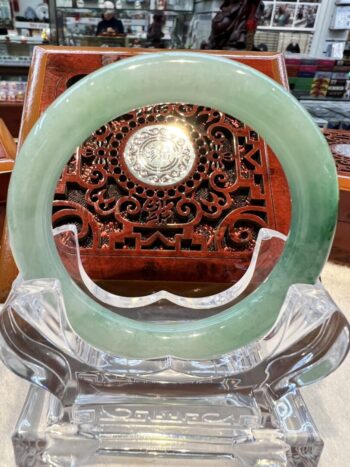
[(111, 255), (7, 156), (341, 245)]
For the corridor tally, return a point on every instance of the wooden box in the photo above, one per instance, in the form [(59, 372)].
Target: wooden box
[(202, 230)]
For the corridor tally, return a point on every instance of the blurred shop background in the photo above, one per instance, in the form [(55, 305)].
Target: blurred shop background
[(313, 35)]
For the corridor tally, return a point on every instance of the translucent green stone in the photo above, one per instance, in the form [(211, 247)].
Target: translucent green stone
[(191, 78)]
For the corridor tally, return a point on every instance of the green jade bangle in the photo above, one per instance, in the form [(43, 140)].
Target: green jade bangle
[(197, 79)]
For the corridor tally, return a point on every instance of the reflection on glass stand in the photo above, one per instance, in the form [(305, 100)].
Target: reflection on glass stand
[(87, 407)]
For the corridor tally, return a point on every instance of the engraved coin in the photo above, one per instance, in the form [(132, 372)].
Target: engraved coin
[(159, 154)]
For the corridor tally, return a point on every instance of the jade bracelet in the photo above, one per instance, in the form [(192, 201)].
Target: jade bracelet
[(195, 79)]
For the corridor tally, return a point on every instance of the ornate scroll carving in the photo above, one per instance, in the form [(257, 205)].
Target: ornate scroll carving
[(128, 190), (339, 142)]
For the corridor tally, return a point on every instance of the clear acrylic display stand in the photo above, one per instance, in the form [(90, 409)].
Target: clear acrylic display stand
[(86, 407)]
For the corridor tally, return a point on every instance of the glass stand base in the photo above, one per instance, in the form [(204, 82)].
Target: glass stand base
[(252, 429)]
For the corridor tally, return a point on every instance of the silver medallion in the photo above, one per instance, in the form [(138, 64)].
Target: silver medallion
[(159, 154)]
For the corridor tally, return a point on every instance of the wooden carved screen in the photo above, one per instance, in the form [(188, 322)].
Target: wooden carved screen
[(199, 227), (339, 143)]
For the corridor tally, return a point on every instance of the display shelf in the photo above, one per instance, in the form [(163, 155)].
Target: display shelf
[(126, 4), (17, 53), (134, 10), (31, 25), (298, 17), (306, 97), (11, 103), (328, 113), (14, 65), (19, 39), (15, 58), (75, 26)]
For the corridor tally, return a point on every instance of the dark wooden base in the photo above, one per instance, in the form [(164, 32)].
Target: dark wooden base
[(11, 113)]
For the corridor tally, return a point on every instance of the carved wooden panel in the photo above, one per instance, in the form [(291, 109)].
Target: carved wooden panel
[(200, 227), (339, 143), (215, 210)]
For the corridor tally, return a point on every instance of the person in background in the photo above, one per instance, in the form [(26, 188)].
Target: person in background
[(109, 23), (155, 34)]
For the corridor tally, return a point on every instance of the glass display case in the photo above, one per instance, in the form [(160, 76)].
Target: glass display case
[(23, 25), (164, 24), (280, 23), (79, 26), (15, 57)]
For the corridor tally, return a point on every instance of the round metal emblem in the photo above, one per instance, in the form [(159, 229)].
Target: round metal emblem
[(159, 154)]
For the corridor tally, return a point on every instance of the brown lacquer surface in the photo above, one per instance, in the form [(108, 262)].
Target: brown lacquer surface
[(339, 142), (55, 68), (7, 156), (202, 229)]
